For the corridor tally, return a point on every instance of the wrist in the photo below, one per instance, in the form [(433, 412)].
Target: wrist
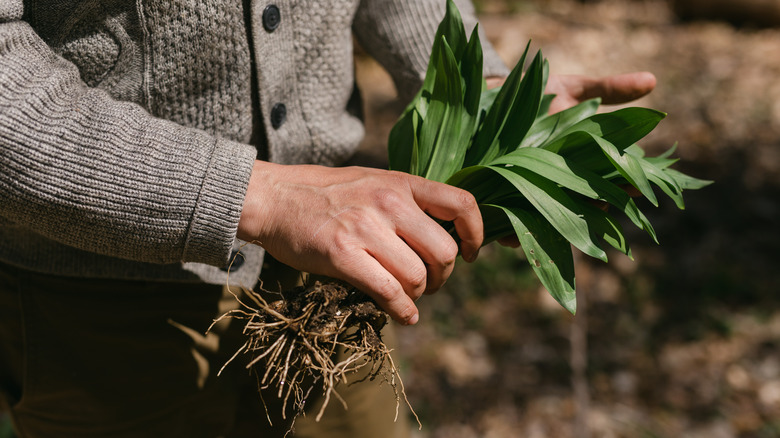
[(253, 213)]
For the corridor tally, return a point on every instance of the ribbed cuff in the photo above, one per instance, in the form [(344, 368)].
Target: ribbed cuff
[(218, 209)]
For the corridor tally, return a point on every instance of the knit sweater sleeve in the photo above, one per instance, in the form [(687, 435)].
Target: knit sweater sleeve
[(399, 34), (105, 176)]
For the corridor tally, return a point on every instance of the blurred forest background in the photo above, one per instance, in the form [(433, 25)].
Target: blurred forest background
[(685, 340)]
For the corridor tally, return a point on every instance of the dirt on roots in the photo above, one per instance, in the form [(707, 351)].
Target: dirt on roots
[(292, 342)]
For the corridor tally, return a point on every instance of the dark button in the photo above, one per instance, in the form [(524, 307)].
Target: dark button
[(278, 115), (235, 261), (271, 18)]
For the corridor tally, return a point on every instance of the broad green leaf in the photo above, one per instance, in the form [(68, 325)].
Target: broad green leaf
[(549, 126), (451, 28), (581, 147), (482, 182), (487, 98), (439, 106), (556, 168), (449, 148), (622, 128), (548, 253), (556, 206), (661, 163)]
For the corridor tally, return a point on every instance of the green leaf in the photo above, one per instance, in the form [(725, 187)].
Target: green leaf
[(523, 112), (549, 126), (471, 71), (548, 253), (449, 147), (437, 108), (556, 206), (496, 223), (687, 182), (485, 142), (622, 128), (577, 179), (665, 182), (399, 144), (414, 165), (629, 167), (578, 147), (482, 182), (604, 226), (544, 105), (451, 27)]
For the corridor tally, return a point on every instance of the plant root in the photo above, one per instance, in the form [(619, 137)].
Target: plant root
[(292, 343)]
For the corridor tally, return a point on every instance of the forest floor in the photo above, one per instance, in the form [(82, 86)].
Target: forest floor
[(682, 342)]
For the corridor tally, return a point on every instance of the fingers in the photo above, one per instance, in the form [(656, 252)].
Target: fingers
[(366, 273), (404, 264), (456, 205), (433, 245), (618, 88)]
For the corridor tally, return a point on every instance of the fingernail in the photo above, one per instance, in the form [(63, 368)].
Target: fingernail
[(413, 320), (473, 256)]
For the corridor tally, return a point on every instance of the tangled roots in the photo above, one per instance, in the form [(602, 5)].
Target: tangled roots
[(293, 342)]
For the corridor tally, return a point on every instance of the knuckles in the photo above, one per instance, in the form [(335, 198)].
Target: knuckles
[(449, 253), (388, 292), (388, 200), (417, 280), (466, 201)]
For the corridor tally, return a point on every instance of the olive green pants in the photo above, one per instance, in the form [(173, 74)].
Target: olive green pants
[(98, 358)]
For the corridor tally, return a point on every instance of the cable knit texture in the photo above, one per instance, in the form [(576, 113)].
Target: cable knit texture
[(125, 126)]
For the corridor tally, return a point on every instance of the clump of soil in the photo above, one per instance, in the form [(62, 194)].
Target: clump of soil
[(293, 341)]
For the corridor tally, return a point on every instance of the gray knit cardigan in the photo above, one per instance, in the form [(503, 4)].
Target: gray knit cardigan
[(128, 129)]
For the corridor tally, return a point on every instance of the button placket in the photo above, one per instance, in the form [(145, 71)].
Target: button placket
[(287, 134)]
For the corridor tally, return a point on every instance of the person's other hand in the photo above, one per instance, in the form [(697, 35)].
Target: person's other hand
[(570, 90), (372, 228), (573, 89)]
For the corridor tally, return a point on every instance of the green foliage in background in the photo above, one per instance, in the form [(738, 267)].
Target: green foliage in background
[(536, 175)]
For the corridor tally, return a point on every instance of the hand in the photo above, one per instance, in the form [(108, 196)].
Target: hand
[(372, 228), (573, 89)]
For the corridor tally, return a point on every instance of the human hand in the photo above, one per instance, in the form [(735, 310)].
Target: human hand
[(573, 89), (372, 228)]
